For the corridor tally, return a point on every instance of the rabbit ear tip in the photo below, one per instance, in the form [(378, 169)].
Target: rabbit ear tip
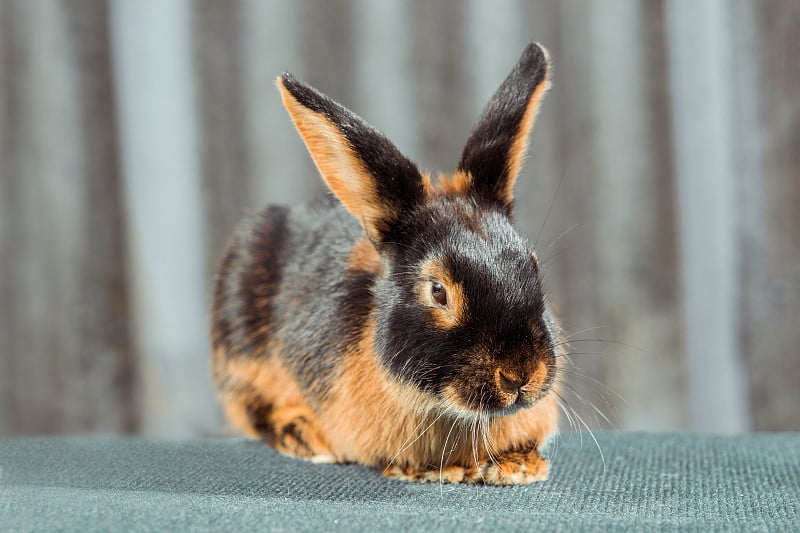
[(535, 53), (287, 80), (284, 77)]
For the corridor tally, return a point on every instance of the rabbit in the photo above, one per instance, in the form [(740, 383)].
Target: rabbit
[(401, 323)]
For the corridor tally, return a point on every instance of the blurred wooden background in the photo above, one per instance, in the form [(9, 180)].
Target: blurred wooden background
[(132, 134)]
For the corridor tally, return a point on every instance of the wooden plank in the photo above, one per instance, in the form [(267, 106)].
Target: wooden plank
[(442, 94), (164, 205), (769, 256), (221, 111), (700, 51), (385, 77), (278, 165), (64, 301)]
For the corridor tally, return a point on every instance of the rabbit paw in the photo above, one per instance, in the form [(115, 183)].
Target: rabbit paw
[(448, 474), (509, 468), (299, 438), (513, 468), (292, 431)]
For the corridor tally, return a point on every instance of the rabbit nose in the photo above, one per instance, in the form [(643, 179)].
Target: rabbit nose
[(509, 384)]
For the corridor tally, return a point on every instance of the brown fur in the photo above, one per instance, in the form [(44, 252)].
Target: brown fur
[(348, 426), (364, 257), (262, 399), (459, 183), (484, 368), (362, 397)]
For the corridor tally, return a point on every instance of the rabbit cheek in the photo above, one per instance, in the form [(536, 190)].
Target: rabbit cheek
[(471, 391)]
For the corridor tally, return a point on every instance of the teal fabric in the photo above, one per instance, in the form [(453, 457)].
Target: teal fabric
[(677, 482)]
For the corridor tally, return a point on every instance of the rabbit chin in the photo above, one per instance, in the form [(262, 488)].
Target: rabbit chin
[(502, 404)]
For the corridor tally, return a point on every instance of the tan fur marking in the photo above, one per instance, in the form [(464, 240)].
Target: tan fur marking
[(434, 270), (342, 170), (448, 474), (267, 378), (507, 392), (304, 440), (368, 414), (364, 257), (459, 183), (372, 418), (267, 382), (427, 187), (539, 375), (519, 146), (515, 440), (515, 468)]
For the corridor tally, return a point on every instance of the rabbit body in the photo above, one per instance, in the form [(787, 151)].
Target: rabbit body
[(400, 324)]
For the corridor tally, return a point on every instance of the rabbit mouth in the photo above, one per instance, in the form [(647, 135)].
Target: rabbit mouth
[(519, 404), (489, 399), (522, 400)]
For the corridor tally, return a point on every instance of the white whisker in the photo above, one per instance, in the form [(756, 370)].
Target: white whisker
[(405, 447), (441, 463)]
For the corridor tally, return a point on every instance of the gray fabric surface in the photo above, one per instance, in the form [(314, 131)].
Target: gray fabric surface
[(649, 481)]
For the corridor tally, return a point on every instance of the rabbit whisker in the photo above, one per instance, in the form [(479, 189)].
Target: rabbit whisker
[(587, 403), (563, 234), (404, 447), (571, 371), (552, 203), (545, 262), (484, 423), (486, 443), (567, 354), (560, 401), (588, 429), (444, 448), (600, 340), (475, 444), (579, 332)]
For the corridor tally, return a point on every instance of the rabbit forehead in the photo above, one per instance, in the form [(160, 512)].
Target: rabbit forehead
[(493, 266), (501, 286)]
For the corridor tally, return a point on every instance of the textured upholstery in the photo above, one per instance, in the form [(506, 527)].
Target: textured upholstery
[(645, 481)]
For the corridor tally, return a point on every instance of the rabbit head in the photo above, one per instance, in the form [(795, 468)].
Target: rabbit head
[(460, 312)]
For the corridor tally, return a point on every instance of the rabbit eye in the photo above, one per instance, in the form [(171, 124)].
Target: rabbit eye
[(438, 294)]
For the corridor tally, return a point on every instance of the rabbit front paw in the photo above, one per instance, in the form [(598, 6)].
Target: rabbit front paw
[(508, 468), (513, 468)]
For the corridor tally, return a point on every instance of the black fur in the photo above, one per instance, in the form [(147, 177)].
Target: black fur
[(399, 183), (504, 297), (486, 153), (316, 307), (292, 436), (260, 415), (250, 276)]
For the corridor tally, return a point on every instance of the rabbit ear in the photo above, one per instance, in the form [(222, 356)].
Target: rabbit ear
[(493, 155), (374, 181)]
